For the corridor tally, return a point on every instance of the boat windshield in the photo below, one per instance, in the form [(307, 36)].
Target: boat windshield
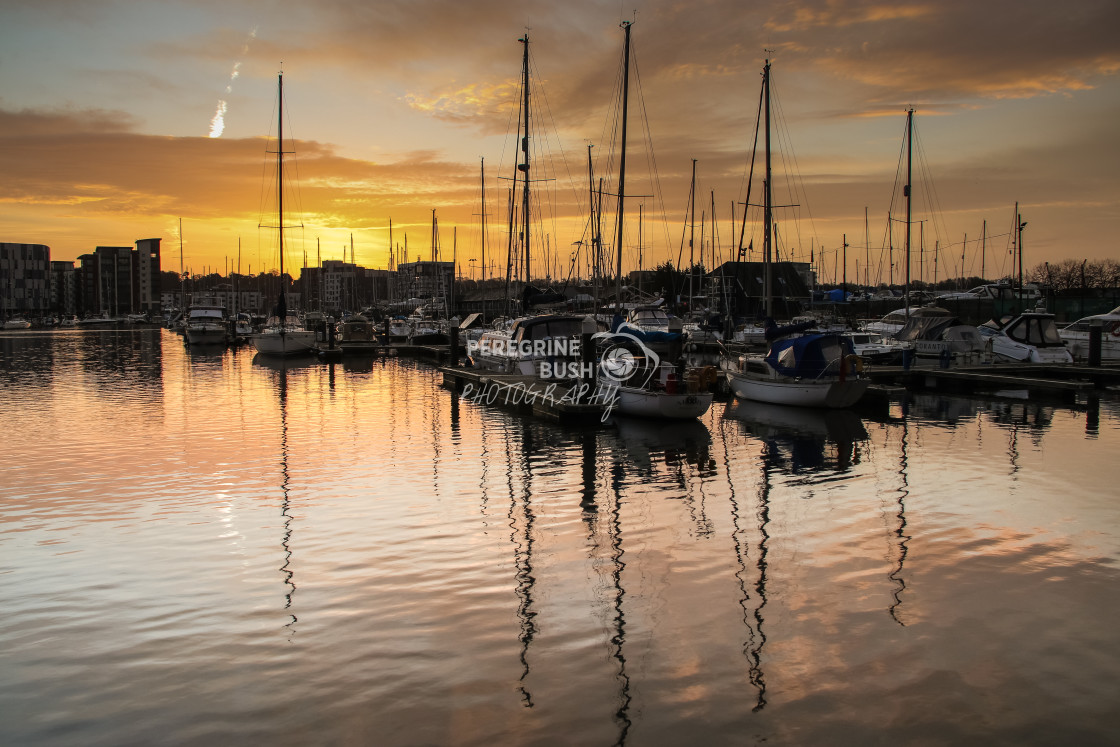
[(1035, 330), (552, 328)]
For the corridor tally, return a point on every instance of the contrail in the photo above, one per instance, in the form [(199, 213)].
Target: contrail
[(218, 123)]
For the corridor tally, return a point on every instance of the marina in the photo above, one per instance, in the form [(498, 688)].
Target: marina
[(435, 377), (353, 552)]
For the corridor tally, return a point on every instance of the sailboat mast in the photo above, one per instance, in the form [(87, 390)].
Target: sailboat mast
[(622, 163), (691, 229), (907, 193), (482, 177), (524, 165), (983, 250), (280, 172), (768, 207)]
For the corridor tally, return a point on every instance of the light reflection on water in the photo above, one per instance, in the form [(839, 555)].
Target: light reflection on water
[(208, 547)]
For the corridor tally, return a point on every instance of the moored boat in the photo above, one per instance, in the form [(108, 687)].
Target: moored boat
[(814, 370), (207, 325), (1076, 335), (284, 332), (1030, 337)]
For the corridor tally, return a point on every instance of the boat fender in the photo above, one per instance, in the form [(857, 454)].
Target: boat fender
[(855, 363)]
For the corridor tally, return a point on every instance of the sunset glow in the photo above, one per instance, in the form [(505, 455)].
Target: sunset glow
[(118, 120)]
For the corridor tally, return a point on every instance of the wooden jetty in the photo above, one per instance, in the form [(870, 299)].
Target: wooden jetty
[(1052, 379)]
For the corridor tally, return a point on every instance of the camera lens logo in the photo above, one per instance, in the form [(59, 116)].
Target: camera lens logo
[(625, 359)]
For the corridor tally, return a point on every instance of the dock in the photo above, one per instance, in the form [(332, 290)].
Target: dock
[(1052, 379)]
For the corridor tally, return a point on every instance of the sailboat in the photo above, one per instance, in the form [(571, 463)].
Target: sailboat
[(660, 388), (814, 370), (283, 333)]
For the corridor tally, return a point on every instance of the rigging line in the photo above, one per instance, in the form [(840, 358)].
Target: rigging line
[(800, 196), (541, 93), (659, 193), (750, 175)]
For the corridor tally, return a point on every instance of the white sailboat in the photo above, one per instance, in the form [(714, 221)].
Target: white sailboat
[(283, 333), (812, 370)]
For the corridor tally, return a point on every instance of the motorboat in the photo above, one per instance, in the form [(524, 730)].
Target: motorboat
[(940, 336), (207, 325), (399, 329), (524, 344), (1076, 335), (17, 322), (895, 320), (874, 349), (357, 335), (1030, 337), (813, 370)]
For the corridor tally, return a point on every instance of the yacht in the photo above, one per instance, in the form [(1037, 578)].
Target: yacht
[(1076, 335), (1030, 337), (207, 325)]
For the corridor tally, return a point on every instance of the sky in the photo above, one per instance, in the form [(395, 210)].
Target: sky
[(119, 119)]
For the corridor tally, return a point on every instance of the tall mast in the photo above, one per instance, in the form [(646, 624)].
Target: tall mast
[(524, 165), (768, 206), (622, 163), (866, 252), (691, 230), (983, 250), (482, 176), (282, 306), (907, 193)]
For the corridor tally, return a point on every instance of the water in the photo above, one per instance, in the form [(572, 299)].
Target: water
[(196, 548)]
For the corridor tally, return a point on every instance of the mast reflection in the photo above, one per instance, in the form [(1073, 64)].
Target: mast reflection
[(752, 618), (521, 520), (285, 503), (281, 366), (614, 532), (900, 532)]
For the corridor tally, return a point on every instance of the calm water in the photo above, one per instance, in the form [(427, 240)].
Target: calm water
[(197, 548)]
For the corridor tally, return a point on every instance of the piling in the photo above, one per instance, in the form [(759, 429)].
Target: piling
[(1095, 331), (453, 335), (587, 350)]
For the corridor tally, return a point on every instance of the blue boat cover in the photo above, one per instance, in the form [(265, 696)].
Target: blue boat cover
[(808, 356)]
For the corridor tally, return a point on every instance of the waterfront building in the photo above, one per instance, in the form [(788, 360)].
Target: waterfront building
[(24, 279), (63, 288), (425, 280)]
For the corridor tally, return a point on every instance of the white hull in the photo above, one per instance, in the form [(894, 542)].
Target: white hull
[(206, 335), (802, 393), (17, 324), (653, 404), (1078, 344), (291, 342)]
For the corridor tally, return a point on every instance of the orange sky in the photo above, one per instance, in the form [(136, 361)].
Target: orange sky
[(107, 112)]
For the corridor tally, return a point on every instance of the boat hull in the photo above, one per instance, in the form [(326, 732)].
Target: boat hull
[(292, 342), (207, 335), (644, 403), (799, 392)]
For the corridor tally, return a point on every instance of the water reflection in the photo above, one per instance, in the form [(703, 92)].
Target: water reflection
[(618, 638), (521, 518), (902, 538), (478, 577), (798, 438), (751, 612)]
